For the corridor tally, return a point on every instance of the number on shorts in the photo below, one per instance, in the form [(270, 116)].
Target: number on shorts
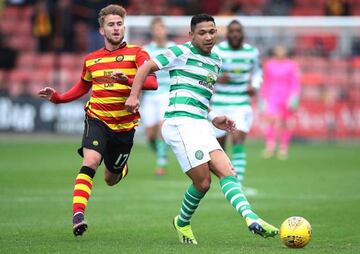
[(121, 160)]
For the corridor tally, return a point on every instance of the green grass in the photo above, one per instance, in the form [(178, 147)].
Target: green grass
[(318, 182)]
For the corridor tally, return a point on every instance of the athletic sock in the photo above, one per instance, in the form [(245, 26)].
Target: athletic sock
[(161, 148), (82, 189), (285, 136), (239, 161), (233, 193), (152, 143), (190, 202)]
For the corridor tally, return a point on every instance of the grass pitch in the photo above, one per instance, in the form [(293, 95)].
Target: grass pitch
[(318, 182)]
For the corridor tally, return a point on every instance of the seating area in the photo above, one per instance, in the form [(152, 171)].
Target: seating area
[(321, 74)]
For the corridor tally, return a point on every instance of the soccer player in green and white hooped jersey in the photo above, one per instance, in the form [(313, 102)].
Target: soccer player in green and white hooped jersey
[(154, 103), (240, 78), (193, 70)]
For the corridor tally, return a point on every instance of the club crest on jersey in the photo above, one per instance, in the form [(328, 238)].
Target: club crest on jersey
[(199, 154), (119, 58)]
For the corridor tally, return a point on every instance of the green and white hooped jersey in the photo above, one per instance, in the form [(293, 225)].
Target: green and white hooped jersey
[(242, 66), (192, 79), (163, 77)]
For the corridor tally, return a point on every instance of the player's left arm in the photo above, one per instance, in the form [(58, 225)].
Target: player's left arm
[(256, 76)]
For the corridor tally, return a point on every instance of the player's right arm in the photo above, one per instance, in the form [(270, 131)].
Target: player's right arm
[(77, 91), (132, 104), (165, 61)]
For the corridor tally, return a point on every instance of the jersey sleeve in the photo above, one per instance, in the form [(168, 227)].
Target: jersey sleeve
[(257, 74), (167, 60), (86, 74), (141, 57)]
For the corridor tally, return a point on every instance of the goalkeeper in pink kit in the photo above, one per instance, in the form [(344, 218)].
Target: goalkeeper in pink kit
[(280, 96)]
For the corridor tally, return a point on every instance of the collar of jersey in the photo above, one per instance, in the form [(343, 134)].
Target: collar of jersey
[(195, 50), (122, 45)]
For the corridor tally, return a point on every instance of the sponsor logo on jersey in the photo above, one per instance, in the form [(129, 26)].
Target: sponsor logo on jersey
[(210, 81)]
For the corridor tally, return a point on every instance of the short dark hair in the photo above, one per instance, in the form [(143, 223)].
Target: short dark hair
[(234, 22), (198, 18)]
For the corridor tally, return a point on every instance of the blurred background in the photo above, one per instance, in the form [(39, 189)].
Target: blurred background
[(44, 42)]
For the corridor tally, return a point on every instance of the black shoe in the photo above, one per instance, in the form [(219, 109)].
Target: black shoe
[(79, 224)]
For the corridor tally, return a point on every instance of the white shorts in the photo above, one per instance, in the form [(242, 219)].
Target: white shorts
[(242, 115), (153, 108), (191, 140)]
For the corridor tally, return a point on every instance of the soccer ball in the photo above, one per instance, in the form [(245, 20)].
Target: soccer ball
[(295, 232)]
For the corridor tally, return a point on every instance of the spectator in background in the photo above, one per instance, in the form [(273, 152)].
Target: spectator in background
[(42, 26), (192, 7), (337, 8), (7, 62), (355, 46), (7, 55), (278, 7), (280, 96), (64, 23)]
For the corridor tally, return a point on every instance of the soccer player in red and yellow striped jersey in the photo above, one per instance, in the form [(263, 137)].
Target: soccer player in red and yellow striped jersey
[(109, 127)]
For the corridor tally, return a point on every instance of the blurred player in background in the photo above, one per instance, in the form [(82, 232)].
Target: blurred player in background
[(109, 128), (193, 70), (240, 78), (154, 103), (280, 97)]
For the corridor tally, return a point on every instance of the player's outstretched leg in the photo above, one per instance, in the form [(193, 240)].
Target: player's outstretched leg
[(233, 193), (192, 198), (81, 195)]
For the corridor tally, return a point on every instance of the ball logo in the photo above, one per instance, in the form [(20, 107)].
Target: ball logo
[(199, 154), (119, 58), (95, 143)]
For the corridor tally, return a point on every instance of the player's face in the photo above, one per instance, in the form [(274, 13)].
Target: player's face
[(280, 52), (113, 29), (235, 35), (204, 36), (158, 30)]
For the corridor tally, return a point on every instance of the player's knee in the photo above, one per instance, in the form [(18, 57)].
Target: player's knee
[(92, 163), (203, 185), (110, 181)]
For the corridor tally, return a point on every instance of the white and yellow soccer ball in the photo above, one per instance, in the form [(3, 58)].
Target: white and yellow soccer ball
[(295, 232)]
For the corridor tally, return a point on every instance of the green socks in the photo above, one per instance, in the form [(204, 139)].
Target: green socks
[(232, 191), (239, 161), (190, 202), (161, 158)]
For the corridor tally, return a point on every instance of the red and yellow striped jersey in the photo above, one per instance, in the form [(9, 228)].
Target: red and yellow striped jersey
[(107, 101)]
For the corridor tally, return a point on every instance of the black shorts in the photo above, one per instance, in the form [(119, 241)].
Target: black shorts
[(114, 147)]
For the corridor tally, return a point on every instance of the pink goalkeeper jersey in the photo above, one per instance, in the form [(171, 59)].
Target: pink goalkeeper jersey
[(281, 81)]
